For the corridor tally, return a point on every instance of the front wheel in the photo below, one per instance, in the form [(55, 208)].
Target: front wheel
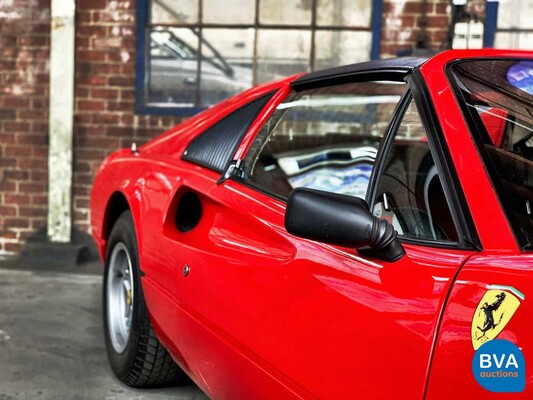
[(135, 354)]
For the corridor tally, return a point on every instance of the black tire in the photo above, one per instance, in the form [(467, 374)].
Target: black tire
[(144, 362)]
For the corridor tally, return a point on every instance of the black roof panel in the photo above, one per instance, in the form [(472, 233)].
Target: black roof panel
[(345, 73)]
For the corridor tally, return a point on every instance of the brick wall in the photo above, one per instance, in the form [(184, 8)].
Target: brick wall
[(402, 22), (24, 55), (105, 94)]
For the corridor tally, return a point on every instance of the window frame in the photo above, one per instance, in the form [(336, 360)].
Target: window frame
[(476, 130), (491, 24), (142, 50), (455, 199), (388, 144)]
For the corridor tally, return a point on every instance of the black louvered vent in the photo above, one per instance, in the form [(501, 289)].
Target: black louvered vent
[(215, 147)]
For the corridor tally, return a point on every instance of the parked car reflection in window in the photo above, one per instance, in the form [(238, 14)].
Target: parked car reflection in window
[(178, 76)]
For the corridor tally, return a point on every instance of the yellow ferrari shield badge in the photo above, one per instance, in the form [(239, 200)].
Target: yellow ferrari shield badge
[(494, 311)]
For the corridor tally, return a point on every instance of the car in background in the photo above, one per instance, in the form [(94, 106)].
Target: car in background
[(175, 64), (360, 232)]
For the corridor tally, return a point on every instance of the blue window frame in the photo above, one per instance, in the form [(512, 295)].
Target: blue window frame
[(508, 24), (194, 53)]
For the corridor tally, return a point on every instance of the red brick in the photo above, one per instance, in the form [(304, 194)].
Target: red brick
[(437, 21), (8, 211), (9, 235), (7, 41), (40, 152), (442, 8), (82, 93), (83, 42), (7, 187), (120, 106), (6, 113), (128, 94), (91, 105), (31, 188), (93, 80), (106, 69), (92, 4), (126, 119), (32, 212), (116, 131), (11, 247), (82, 203), (39, 176), (39, 199), (106, 118), (38, 224), (19, 199), (33, 41), (80, 215), (84, 119), (32, 139), (30, 114), (81, 167), (83, 17), (128, 69), (7, 65), (13, 150), (81, 191), (412, 7), (39, 104), (40, 129), (32, 163), (121, 81), (16, 174), (90, 30), (92, 55), (100, 93), (8, 138), (17, 222)]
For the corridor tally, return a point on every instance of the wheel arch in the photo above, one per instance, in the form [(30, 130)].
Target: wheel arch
[(116, 205)]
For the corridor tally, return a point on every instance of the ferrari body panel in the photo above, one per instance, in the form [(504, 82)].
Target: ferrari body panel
[(248, 310)]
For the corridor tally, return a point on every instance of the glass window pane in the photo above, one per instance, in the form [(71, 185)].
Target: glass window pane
[(282, 53), (502, 93), (228, 12), (172, 67), (515, 14), (174, 11), (334, 48), (227, 63), (324, 139), (410, 195), (513, 40), (344, 12), (285, 12)]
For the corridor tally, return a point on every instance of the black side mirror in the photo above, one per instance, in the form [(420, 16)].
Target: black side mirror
[(341, 220)]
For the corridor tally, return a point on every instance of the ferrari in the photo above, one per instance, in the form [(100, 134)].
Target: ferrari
[(364, 231)]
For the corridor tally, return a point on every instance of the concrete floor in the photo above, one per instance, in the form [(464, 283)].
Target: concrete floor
[(51, 340)]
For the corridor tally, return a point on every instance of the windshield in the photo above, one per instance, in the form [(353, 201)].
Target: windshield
[(498, 98)]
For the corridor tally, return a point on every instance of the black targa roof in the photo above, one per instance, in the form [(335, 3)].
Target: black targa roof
[(337, 75)]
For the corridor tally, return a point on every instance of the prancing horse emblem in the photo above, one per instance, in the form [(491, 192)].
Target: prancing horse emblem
[(494, 311), (488, 310)]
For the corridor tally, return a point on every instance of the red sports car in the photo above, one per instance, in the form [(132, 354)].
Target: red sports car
[(360, 232)]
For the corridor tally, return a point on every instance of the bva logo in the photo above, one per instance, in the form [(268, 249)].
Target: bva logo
[(499, 366)]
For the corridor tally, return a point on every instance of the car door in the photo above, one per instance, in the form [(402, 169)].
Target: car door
[(356, 327)]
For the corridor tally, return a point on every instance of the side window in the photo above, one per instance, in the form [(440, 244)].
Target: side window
[(324, 139), (410, 194)]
